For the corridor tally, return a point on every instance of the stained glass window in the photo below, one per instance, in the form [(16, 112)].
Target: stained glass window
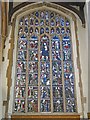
[(45, 79)]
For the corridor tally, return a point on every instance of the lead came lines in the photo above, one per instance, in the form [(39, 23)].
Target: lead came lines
[(46, 80)]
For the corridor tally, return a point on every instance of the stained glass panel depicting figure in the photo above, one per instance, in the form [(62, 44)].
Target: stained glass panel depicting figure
[(20, 92), (32, 92), (21, 67), (22, 45), (21, 80), (19, 105), (70, 105), (33, 67), (33, 44), (32, 105), (58, 105), (22, 55), (33, 79), (45, 80), (44, 45), (45, 106)]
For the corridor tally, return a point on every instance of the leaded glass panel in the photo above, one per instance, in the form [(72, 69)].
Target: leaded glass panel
[(45, 79)]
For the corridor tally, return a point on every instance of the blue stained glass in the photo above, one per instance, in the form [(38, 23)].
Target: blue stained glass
[(68, 67), (47, 22), (22, 55), (56, 55), (33, 67), (46, 15), (47, 30), (51, 15), (68, 76), (41, 22), (45, 67), (36, 30), (67, 23), (57, 30), (61, 21), (31, 30), (21, 21), (56, 66), (19, 105), (55, 45), (62, 31), (52, 23), (44, 48), (34, 38), (33, 55), (36, 22), (58, 105), (23, 37), (45, 80), (66, 44), (26, 21), (55, 38), (37, 14), (41, 30), (69, 91), (67, 55), (45, 106), (45, 92), (33, 79), (52, 30), (57, 72), (68, 31), (70, 105), (69, 82), (26, 30)]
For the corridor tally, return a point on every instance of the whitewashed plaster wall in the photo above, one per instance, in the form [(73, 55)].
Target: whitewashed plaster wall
[(83, 50), (88, 14), (0, 70), (4, 70)]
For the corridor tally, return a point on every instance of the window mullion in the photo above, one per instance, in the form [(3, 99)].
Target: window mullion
[(64, 105), (51, 91), (39, 74), (26, 106)]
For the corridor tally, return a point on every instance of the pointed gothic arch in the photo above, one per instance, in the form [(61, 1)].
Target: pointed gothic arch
[(41, 7)]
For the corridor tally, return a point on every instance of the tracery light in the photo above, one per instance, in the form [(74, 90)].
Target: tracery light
[(44, 71)]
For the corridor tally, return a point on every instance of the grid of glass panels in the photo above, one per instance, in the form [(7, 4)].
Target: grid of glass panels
[(44, 70)]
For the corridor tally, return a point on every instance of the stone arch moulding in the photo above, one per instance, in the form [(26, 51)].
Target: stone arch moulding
[(68, 5), (61, 10)]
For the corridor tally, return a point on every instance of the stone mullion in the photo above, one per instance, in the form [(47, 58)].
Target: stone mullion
[(39, 97), (51, 91), (62, 64)]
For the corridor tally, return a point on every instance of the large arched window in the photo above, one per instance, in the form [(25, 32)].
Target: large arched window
[(45, 79)]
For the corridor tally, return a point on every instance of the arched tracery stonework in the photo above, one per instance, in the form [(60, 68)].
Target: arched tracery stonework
[(16, 17)]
